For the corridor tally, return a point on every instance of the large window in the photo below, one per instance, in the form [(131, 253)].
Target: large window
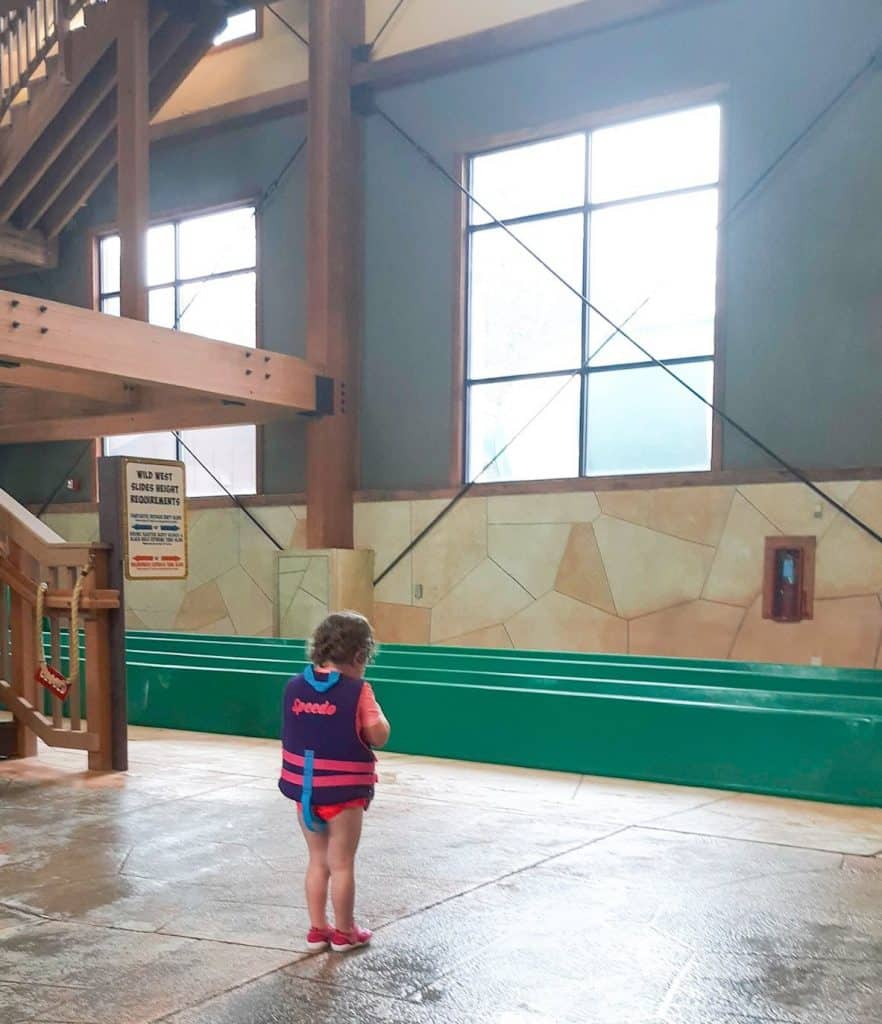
[(627, 214), (201, 273)]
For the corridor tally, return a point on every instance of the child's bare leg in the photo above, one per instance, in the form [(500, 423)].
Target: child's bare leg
[(317, 875), (344, 833)]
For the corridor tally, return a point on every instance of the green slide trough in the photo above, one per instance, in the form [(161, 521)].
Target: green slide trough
[(795, 731)]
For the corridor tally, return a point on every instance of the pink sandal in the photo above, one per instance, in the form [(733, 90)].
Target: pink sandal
[(342, 942)]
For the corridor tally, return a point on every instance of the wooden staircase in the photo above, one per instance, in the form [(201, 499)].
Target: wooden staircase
[(31, 555), (58, 104)]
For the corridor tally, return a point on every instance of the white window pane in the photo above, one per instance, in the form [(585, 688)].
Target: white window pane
[(657, 154), (663, 250), (142, 446), (217, 243), (238, 27), (108, 258), (229, 452), (538, 178), (523, 320), (162, 307), (224, 309), (161, 254), (643, 421), (547, 448), (111, 306)]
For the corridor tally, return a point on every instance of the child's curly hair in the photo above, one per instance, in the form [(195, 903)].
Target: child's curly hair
[(344, 638)]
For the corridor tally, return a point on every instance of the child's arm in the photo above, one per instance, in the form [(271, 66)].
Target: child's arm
[(372, 723)]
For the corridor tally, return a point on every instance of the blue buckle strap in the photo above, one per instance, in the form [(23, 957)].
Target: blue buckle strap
[(312, 824), (322, 685)]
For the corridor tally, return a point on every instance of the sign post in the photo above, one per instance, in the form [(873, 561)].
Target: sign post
[(143, 519)]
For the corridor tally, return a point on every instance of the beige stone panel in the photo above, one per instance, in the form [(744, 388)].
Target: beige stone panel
[(213, 545), (648, 571), (691, 513), (401, 623), (531, 553), (384, 526), (223, 627), (494, 637), (155, 595), (849, 562), (134, 620), (257, 553), (298, 535), (845, 632), (200, 608), (316, 579), (582, 574), (454, 547), (558, 623), (486, 597), (576, 507), (736, 576), (867, 503), (793, 508), (249, 608), (301, 616), (699, 629), (157, 619)]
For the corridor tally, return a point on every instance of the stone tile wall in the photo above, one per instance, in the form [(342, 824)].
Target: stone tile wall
[(671, 572)]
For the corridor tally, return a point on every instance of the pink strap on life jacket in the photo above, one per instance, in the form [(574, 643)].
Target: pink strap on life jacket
[(325, 765), (324, 781)]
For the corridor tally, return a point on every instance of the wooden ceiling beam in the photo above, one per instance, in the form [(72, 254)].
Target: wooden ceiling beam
[(93, 386), (137, 421), (69, 338), (29, 247)]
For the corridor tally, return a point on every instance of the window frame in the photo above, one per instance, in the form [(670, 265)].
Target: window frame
[(252, 37), (459, 451), (175, 216)]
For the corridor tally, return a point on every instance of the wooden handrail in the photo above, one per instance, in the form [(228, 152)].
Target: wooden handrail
[(33, 536)]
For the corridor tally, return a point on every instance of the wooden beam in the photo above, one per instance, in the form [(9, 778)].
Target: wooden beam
[(18, 405), (335, 28), (170, 71), (43, 378), (137, 421), (585, 18), (70, 338), (133, 153), (28, 247)]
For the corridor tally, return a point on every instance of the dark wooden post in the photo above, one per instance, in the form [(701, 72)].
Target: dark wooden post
[(110, 521), (133, 142), (333, 266)]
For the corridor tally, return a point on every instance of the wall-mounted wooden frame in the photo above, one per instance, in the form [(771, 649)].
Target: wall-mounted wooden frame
[(804, 548)]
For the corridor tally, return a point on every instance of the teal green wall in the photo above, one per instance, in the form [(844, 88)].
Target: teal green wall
[(803, 270)]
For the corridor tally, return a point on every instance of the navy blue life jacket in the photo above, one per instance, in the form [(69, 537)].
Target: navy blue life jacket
[(324, 760)]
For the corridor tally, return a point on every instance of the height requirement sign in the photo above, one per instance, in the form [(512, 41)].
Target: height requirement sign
[(155, 523)]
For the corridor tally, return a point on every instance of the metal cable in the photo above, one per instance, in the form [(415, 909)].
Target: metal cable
[(287, 25), (390, 18), (618, 329)]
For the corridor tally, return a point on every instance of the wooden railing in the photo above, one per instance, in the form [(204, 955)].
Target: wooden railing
[(28, 37), (31, 554)]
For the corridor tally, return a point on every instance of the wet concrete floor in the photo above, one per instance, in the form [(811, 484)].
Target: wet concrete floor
[(497, 895)]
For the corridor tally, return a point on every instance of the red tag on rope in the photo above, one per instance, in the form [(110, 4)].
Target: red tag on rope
[(53, 680)]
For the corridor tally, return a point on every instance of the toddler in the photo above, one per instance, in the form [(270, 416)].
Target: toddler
[(330, 722)]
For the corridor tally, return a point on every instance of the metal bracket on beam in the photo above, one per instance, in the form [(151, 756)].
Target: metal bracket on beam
[(363, 100), (362, 52), (324, 398)]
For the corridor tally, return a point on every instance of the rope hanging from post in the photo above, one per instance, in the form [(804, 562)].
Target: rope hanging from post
[(57, 684)]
